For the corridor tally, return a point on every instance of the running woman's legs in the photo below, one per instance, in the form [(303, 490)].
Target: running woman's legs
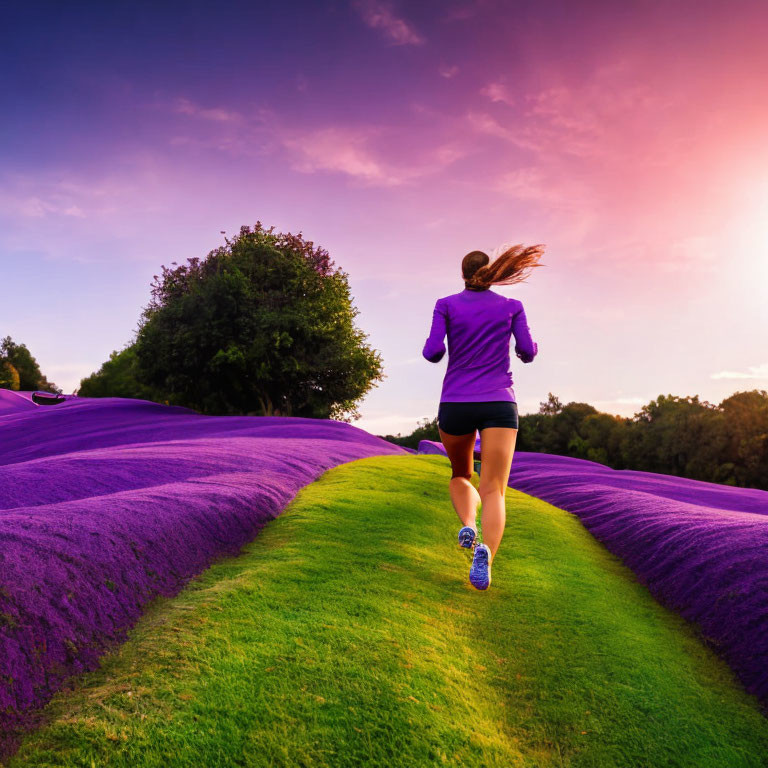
[(464, 495), (497, 446)]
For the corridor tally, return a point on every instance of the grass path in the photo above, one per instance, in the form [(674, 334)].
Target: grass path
[(347, 634)]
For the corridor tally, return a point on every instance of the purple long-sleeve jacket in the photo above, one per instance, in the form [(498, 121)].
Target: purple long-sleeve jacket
[(479, 325)]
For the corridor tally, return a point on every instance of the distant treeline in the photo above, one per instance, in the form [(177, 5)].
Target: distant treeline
[(683, 436), (19, 370)]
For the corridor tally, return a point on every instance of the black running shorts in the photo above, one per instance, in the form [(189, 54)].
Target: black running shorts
[(463, 418)]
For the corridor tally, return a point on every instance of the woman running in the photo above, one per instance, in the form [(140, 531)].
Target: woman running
[(477, 391)]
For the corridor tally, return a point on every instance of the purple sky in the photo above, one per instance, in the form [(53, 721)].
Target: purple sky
[(630, 138)]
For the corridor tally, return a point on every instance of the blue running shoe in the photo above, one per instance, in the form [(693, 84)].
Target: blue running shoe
[(480, 572), (467, 536)]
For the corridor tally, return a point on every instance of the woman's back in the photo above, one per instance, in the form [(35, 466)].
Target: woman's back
[(479, 325)]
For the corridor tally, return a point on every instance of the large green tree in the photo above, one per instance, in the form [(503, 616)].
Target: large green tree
[(263, 325)]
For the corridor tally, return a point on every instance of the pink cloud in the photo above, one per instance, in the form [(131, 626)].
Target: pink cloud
[(485, 123), (529, 184), (378, 14), (759, 372), (589, 118), (38, 198), (498, 92), (352, 152), (216, 114), (337, 149), (447, 71)]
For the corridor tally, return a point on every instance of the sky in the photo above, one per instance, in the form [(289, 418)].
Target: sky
[(628, 138)]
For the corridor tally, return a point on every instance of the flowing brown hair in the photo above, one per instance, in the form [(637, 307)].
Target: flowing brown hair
[(511, 266)]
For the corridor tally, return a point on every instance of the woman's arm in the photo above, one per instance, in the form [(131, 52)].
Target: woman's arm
[(434, 349), (525, 347)]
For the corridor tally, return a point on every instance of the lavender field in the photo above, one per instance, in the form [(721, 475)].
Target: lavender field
[(107, 503), (700, 548)]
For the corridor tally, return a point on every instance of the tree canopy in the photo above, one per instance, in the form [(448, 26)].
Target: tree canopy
[(118, 377), (9, 376), (20, 371), (262, 325)]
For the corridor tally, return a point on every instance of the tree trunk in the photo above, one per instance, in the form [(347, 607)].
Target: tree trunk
[(266, 405)]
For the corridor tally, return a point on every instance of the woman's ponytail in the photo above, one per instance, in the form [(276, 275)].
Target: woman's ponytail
[(512, 266)]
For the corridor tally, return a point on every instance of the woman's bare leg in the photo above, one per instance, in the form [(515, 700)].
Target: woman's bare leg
[(497, 446), (464, 495), (465, 500)]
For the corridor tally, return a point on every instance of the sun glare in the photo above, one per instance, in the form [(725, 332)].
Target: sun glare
[(750, 232)]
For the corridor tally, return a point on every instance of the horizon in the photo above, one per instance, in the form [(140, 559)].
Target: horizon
[(399, 138)]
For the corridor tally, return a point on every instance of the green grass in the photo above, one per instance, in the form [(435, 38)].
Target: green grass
[(347, 634)]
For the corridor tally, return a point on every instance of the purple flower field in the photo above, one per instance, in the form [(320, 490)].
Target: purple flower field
[(107, 503), (700, 548)]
